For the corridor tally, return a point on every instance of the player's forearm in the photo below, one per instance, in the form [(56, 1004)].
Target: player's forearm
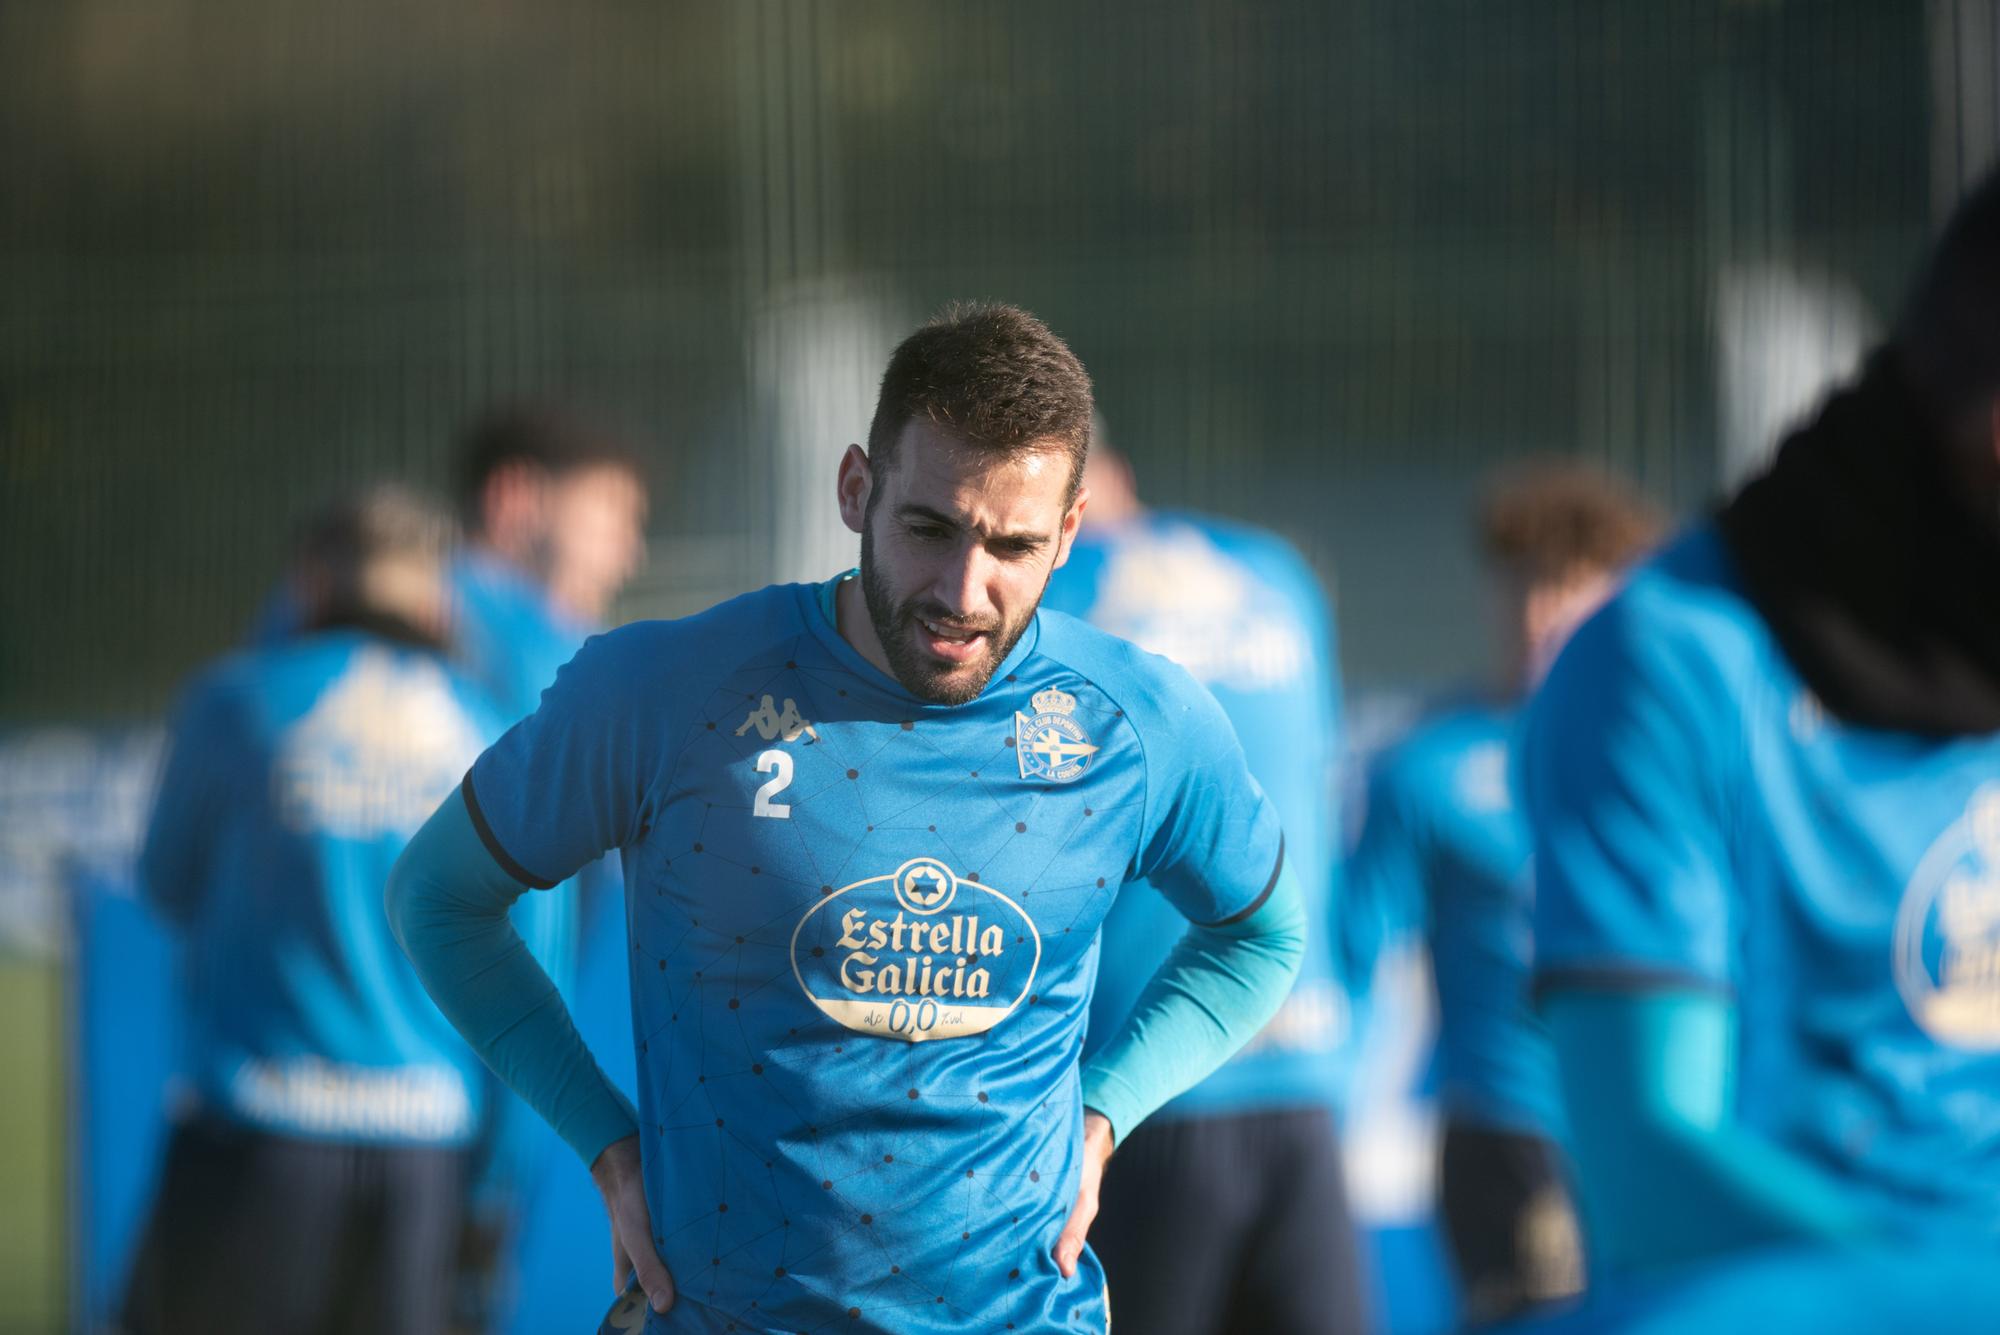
[(1667, 1172), (1217, 989), (447, 901)]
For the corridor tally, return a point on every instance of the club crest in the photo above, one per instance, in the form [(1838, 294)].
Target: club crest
[(1947, 944), (1050, 744)]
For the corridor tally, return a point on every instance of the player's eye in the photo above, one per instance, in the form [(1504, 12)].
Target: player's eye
[(929, 532), (1014, 551)]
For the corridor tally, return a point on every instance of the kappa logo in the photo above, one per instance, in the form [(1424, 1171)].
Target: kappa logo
[(1052, 745), (773, 723)]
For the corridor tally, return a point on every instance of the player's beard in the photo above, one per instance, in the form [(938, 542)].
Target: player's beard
[(896, 627)]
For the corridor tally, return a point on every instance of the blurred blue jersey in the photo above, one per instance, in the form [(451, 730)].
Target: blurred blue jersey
[(1244, 614), (863, 937), (1701, 821), (509, 639), (509, 635), (294, 776), (1444, 852)]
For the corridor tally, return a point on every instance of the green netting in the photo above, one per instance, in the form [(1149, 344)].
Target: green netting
[(1325, 260)]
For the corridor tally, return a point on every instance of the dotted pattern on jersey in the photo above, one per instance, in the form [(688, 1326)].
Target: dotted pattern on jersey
[(810, 1177)]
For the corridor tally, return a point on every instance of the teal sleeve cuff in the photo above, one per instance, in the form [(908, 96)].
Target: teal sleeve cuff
[(1666, 1172), (1215, 991), (448, 902)]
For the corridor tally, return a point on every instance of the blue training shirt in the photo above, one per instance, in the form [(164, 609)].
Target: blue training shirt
[(863, 940), (294, 776), (1445, 852), (509, 639), (1244, 614), (1701, 821)]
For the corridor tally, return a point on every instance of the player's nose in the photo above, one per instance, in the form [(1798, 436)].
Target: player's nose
[(961, 584)]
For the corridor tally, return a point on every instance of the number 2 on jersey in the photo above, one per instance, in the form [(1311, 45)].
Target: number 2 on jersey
[(778, 764)]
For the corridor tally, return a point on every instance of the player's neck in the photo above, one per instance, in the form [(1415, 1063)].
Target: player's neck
[(851, 619)]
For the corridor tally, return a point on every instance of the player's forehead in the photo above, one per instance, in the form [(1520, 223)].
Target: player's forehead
[(1017, 491), (607, 485)]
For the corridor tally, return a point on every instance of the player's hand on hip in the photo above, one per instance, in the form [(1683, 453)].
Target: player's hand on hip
[(1096, 1151), (621, 1183)]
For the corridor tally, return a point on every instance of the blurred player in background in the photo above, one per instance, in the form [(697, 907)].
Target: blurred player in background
[(1227, 1210), (554, 507), (554, 513), (1764, 784), (870, 827), (1444, 853), (315, 1182)]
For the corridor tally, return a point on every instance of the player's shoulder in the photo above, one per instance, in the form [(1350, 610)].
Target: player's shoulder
[(673, 652), (1680, 622), (234, 677), (1150, 690), (1446, 736), (263, 686), (1431, 757), (772, 612), (489, 589), (277, 665)]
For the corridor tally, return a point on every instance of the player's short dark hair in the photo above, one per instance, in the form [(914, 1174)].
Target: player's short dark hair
[(546, 436), (993, 376), (1949, 335), (1551, 520)]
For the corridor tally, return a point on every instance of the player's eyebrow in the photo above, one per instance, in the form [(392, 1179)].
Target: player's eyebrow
[(1026, 540)]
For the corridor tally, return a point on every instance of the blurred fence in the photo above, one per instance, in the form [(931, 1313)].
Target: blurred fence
[(1325, 261)]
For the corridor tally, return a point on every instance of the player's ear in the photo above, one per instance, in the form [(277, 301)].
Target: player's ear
[(855, 485), (1072, 520)]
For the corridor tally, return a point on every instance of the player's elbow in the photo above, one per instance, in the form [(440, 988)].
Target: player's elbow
[(1281, 927), (1270, 948), (1285, 944), (1291, 946), (414, 897), (444, 886), (401, 896)]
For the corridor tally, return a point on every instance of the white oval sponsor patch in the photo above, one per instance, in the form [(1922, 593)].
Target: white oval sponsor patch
[(918, 954)]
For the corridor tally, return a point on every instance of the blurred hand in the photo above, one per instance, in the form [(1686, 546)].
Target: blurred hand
[(618, 1179), (1096, 1152)]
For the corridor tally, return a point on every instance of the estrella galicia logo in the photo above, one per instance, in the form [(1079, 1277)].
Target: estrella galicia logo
[(1947, 945), (917, 954), (1052, 745)]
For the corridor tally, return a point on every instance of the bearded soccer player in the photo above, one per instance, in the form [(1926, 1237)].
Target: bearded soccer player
[(869, 830), (1765, 788)]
